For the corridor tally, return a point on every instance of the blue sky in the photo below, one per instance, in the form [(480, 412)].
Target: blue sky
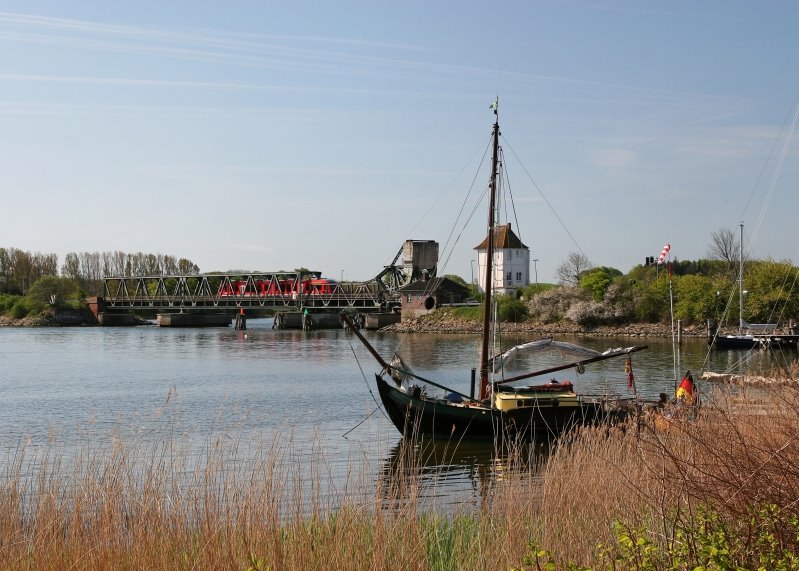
[(274, 135)]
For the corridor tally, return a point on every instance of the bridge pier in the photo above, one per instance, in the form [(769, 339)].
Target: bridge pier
[(240, 323), (192, 319)]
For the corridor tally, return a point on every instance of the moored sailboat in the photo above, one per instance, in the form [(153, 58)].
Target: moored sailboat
[(501, 408), (750, 336)]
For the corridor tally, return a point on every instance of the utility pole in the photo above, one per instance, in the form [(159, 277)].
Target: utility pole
[(473, 284), (535, 267)]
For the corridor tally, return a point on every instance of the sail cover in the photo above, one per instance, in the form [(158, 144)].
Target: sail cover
[(399, 371), (548, 344)]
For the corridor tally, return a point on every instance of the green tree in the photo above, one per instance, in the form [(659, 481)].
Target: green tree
[(55, 291), (694, 298), (597, 280), (772, 291), (652, 300)]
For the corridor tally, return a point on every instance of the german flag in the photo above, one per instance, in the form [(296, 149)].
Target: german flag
[(685, 392)]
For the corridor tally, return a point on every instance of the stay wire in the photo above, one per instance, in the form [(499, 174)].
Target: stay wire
[(368, 388), (447, 250), (455, 224), (544, 197), (449, 186), (770, 156), (776, 174), (506, 181)]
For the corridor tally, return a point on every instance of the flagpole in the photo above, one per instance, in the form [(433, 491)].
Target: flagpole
[(674, 354)]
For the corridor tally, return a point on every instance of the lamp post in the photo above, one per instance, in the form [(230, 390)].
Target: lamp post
[(535, 268), (472, 282)]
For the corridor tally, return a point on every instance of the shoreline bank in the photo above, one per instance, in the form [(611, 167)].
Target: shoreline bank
[(446, 324)]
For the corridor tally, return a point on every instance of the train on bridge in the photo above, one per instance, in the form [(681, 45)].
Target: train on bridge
[(315, 286), (297, 291)]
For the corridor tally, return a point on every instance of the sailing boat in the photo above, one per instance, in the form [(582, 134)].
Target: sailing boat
[(501, 409), (746, 339)]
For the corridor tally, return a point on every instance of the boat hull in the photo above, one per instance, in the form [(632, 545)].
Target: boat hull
[(747, 342), (417, 415)]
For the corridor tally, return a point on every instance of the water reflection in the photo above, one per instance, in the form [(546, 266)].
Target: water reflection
[(452, 476)]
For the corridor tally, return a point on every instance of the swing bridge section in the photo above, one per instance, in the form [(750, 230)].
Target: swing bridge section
[(269, 290)]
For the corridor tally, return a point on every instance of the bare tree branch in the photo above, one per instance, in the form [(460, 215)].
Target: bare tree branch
[(570, 269)]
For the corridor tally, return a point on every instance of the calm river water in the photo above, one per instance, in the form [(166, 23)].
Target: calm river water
[(314, 389)]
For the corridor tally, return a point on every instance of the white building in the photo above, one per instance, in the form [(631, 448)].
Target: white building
[(511, 261)]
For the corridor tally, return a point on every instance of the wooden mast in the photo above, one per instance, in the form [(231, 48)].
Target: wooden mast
[(489, 275)]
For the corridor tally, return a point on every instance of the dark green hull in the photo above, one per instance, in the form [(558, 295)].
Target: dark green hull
[(421, 416)]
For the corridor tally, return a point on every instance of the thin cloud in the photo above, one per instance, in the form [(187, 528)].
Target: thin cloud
[(613, 158)]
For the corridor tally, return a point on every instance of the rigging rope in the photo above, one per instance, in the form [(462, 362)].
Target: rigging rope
[(549, 204), (775, 309), (368, 388)]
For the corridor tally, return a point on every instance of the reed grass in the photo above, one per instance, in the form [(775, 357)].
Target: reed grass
[(734, 456), (144, 502)]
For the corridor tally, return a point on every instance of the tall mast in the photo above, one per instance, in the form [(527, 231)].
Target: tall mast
[(741, 284), (489, 275)]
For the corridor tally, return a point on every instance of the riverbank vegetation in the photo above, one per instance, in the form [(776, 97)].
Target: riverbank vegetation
[(20, 269), (701, 291), (587, 296), (711, 488)]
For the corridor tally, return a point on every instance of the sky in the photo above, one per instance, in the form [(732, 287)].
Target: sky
[(268, 136)]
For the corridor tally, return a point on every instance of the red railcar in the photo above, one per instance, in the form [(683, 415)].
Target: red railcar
[(272, 288)]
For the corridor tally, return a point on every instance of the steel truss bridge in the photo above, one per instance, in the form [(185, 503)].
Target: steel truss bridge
[(278, 290)]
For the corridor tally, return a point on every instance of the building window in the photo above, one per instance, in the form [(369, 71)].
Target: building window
[(518, 276), (509, 276)]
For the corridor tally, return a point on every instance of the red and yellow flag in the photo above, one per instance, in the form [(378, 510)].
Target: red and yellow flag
[(685, 392), (628, 368)]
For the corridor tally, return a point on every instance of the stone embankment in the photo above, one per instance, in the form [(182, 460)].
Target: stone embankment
[(37, 321), (450, 324)]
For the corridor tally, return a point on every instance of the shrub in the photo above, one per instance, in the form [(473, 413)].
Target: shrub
[(532, 290), (19, 309), (552, 305), (511, 309), (586, 313), (619, 301), (7, 301)]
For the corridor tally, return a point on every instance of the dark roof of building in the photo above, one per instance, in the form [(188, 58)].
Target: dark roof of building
[(504, 239), (434, 285)]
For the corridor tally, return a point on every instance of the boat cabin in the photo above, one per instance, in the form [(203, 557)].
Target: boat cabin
[(552, 394)]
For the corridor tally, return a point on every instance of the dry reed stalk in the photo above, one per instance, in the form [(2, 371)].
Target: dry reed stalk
[(736, 454), (153, 502)]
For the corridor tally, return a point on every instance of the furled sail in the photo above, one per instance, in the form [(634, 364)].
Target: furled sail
[(400, 372)]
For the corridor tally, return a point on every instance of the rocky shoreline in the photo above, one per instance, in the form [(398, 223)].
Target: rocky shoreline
[(451, 324), (444, 323), (28, 321)]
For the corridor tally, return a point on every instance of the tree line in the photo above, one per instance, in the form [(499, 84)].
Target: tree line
[(20, 269), (698, 290)]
